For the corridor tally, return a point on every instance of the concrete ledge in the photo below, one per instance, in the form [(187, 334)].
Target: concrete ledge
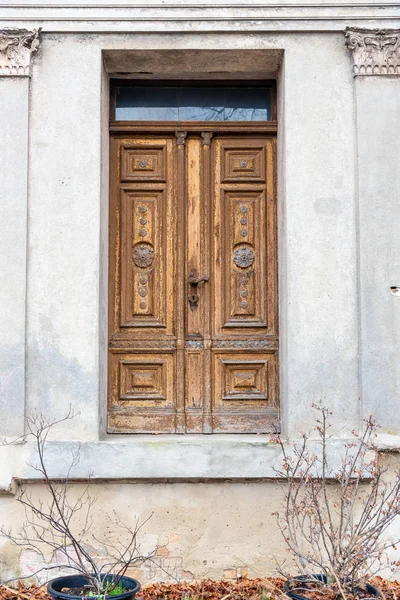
[(388, 443), (176, 458), (171, 457)]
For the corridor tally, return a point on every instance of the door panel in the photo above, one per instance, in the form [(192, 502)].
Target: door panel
[(245, 391), (145, 277), (242, 163), (143, 163), (244, 239), (143, 367), (141, 392), (244, 307), (193, 292)]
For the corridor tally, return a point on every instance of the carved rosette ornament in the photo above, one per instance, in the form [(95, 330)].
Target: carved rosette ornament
[(16, 48), (143, 256), (375, 51), (243, 257)]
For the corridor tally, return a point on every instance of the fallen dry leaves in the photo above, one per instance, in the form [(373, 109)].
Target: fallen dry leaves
[(390, 589), (242, 589), (23, 592)]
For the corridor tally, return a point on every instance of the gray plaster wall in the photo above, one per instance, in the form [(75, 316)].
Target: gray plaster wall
[(64, 232)]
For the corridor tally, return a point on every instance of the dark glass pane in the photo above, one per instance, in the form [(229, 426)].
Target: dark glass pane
[(254, 105), (201, 104), (141, 103), (146, 104)]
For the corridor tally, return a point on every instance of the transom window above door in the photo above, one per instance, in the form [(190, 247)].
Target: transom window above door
[(193, 103)]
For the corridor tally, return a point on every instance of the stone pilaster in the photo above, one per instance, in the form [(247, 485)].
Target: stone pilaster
[(16, 48), (375, 51), (376, 56)]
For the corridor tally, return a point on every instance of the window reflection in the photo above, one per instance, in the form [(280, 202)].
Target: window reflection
[(141, 103)]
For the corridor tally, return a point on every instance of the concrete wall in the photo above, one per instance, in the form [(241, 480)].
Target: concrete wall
[(195, 530), (199, 530)]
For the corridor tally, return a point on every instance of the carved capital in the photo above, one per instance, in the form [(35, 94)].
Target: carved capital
[(181, 137), (206, 138), (375, 51), (16, 48)]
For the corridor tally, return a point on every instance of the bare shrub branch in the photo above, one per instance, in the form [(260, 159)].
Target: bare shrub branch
[(337, 530), (63, 524)]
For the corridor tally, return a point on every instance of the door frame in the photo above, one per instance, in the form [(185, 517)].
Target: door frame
[(225, 127), (119, 129)]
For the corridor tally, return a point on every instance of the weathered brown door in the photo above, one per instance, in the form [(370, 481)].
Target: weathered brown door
[(193, 320)]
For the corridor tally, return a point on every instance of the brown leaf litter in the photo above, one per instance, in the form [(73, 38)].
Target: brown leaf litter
[(207, 589)]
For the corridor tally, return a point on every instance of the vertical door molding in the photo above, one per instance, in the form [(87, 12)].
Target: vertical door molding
[(180, 191), (206, 187)]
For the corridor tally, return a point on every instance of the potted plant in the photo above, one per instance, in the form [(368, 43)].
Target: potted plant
[(338, 502), (63, 522), (80, 586)]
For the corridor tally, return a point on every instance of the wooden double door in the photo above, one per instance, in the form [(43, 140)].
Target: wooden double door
[(193, 319)]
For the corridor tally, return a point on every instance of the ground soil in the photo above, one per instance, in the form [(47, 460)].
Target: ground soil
[(242, 589), (77, 591)]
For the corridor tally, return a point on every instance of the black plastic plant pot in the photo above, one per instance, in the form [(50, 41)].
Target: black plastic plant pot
[(290, 586), (55, 586)]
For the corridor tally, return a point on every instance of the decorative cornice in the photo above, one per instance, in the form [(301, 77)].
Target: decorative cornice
[(176, 16), (16, 48), (375, 51)]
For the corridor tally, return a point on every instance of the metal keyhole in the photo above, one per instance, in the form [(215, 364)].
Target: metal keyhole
[(193, 300)]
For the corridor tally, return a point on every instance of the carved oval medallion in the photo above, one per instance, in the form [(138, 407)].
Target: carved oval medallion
[(243, 257), (143, 255)]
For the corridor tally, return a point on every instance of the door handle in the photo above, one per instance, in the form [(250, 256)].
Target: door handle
[(194, 281)]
